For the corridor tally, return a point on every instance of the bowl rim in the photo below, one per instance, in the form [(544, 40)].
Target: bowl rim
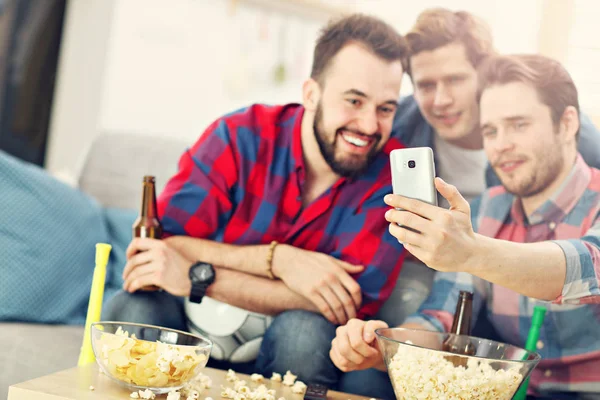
[(536, 356), (207, 343)]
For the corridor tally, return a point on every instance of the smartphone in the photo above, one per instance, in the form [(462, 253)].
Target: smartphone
[(413, 174)]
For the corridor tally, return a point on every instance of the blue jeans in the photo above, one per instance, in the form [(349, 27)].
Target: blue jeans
[(299, 341), (368, 383), (153, 308)]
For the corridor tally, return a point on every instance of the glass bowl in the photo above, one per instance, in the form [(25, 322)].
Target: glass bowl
[(141, 357), (420, 369)]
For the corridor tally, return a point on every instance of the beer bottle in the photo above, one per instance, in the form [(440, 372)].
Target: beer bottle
[(461, 325), (147, 224)]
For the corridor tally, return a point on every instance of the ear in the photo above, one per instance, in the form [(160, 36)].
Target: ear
[(311, 94), (569, 123)]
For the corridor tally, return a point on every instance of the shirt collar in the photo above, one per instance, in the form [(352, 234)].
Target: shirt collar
[(297, 158), (561, 202)]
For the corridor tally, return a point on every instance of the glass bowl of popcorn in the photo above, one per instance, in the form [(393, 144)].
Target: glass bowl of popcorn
[(421, 367), (145, 357)]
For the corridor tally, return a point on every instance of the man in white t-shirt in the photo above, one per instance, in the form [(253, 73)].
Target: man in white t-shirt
[(446, 49)]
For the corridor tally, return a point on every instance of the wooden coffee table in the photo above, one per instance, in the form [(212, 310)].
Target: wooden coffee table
[(75, 383)]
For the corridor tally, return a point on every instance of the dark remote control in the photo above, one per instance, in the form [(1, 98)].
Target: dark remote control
[(314, 391)]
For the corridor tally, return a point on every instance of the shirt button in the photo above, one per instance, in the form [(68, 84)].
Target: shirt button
[(547, 373), (539, 345), (552, 225)]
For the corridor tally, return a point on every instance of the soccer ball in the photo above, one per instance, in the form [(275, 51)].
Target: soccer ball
[(236, 333)]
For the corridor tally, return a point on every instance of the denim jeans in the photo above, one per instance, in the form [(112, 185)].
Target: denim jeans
[(368, 383), (153, 308)]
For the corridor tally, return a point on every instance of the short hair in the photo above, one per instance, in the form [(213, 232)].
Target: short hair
[(374, 34), (553, 84), (438, 27)]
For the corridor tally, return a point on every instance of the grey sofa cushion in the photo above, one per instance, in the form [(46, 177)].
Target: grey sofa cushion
[(116, 164), (30, 351)]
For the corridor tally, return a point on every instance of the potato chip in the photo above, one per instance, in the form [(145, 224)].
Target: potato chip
[(150, 364)]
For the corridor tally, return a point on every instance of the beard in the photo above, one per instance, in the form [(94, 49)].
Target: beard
[(545, 170), (350, 166)]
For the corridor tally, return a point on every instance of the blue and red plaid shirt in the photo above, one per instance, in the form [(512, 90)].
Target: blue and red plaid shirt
[(569, 341), (241, 183)]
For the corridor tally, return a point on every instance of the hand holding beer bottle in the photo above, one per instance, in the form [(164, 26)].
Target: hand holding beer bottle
[(147, 224)]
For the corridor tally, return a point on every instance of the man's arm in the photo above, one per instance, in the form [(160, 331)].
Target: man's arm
[(250, 259), (561, 271), (256, 294), (536, 270)]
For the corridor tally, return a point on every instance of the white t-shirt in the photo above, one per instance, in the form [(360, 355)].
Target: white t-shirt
[(460, 167)]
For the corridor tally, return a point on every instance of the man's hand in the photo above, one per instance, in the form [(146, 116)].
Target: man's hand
[(355, 348), (444, 240), (322, 279), (155, 262)]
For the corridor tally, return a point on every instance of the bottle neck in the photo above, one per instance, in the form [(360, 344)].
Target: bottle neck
[(461, 324), (149, 209)]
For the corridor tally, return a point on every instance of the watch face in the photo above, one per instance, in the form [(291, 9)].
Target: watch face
[(203, 273)]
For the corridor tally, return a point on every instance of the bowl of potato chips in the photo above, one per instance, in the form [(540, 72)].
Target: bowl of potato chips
[(142, 357)]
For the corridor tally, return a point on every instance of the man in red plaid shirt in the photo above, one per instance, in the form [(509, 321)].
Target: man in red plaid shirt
[(285, 204)]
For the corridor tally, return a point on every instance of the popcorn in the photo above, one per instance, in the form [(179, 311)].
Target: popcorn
[(422, 374), (92, 388), (142, 394), (289, 379), (147, 394), (299, 387), (174, 395), (276, 377), (257, 378), (231, 377), (205, 381), (228, 392)]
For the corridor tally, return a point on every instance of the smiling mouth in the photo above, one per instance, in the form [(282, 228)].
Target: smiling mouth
[(448, 118), (358, 142), (510, 166), (355, 140)]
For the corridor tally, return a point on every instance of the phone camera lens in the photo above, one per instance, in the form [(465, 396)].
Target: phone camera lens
[(411, 164)]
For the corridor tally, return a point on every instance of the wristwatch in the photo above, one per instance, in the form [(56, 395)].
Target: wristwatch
[(202, 276)]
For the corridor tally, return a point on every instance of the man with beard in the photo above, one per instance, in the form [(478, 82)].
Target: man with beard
[(533, 240), (286, 205)]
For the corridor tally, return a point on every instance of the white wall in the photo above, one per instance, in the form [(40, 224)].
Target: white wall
[(169, 68), (74, 117)]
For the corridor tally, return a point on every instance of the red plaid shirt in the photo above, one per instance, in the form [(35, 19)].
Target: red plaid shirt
[(241, 183)]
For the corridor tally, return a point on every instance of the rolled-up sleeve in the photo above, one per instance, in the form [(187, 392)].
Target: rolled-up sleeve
[(582, 281)]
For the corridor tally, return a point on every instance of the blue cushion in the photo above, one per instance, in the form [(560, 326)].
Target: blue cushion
[(48, 233)]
